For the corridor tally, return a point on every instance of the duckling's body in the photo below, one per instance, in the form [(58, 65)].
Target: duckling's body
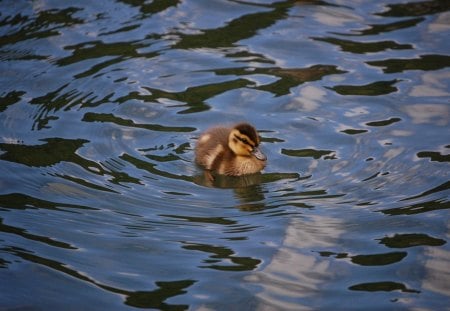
[(230, 151)]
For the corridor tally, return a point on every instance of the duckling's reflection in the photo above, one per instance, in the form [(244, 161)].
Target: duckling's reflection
[(248, 189)]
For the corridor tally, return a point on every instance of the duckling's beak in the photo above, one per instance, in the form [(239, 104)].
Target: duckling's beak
[(258, 154)]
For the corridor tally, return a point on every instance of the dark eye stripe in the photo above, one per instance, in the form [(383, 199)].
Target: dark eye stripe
[(245, 141)]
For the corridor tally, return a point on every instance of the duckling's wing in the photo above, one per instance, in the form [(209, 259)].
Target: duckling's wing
[(211, 145)]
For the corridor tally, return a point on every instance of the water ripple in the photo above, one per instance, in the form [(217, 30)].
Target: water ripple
[(101, 201)]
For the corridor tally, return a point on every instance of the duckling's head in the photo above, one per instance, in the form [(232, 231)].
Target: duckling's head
[(244, 141)]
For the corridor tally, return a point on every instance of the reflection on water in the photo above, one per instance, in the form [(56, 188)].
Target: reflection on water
[(292, 288), (102, 204)]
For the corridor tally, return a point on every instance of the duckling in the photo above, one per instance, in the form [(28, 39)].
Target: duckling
[(230, 151)]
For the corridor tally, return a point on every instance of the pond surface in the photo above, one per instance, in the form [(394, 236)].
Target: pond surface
[(103, 208)]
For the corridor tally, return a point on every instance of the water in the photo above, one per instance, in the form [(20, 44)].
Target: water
[(102, 207)]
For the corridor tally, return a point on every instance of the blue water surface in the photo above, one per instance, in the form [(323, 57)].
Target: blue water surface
[(103, 208)]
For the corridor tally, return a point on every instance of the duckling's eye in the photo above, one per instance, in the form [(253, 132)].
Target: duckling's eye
[(244, 140)]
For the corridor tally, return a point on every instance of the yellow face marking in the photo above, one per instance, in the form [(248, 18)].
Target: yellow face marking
[(241, 144), (245, 140)]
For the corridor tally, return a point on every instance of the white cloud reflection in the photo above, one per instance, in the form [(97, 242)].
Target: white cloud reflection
[(293, 273), (438, 114), (332, 16), (308, 100), (442, 23), (433, 85), (438, 275)]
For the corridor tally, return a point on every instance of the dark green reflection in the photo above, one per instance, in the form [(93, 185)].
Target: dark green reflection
[(377, 29), (194, 97), (63, 99), (304, 195), (218, 253), (288, 78), (382, 286), (23, 201), (43, 25), (98, 49), (151, 168), (109, 117), (203, 220), (443, 187), (53, 151), (310, 153), (378, 259), (293, 77), (33, 237), (10, 99), (108, 53), (156, 299), (424, 62), (140, 299), (434, 156), (243, 27), (372, 89), (57, 150), (418, 208), (166, 157), (353, 131), (411, 240), (414, 8), (245, 56), (152, 7), (383, 122), (364, 47)]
